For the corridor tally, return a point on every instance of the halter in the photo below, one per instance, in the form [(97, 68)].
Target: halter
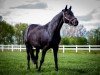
[(69, 20)]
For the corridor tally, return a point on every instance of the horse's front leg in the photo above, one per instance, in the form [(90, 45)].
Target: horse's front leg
[(55, 51), (37, 52)]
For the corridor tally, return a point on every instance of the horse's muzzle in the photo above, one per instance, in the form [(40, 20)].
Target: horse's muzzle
[(75, 22)]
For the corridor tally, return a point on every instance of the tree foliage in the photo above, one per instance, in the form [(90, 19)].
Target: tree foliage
[(74, 41), (6, 33), (65, 41), (19, 30), (94, 36)]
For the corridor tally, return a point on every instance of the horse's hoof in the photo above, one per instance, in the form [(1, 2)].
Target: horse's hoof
[(56, 69), (28, 68), (39, 70)]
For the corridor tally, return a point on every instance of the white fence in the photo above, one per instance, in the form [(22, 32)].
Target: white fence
[(61, 47)]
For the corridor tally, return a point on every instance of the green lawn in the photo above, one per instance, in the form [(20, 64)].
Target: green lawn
[(70, 63)]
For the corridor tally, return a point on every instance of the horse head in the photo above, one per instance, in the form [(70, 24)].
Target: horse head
[(68, 17)]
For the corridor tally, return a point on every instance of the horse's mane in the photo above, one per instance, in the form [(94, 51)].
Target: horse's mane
[(46, 25)]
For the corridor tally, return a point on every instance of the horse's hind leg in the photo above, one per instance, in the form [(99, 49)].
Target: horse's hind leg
[(42, 58), (37, 52), (28, 56), (32, 55)]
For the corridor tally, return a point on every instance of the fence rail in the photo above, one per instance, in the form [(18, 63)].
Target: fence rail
[(61, 47)]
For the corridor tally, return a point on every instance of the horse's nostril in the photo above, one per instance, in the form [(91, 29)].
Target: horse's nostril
[(76, 22)]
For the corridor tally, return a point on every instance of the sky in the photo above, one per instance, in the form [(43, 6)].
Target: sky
[(42, 11)]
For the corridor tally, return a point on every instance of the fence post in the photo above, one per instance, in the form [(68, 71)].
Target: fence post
[(89, 48), (20, 48), (63, 49), (2, 48), (12, 48), (76, 48)]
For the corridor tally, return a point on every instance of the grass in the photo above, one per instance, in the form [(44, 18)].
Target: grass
[(70, 63)]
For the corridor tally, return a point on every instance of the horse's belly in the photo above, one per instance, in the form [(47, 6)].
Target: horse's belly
[(39, 39)]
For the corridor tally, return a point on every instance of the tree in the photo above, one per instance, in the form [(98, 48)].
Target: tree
[(81, 41), (19, 30), (94, 36), (6, 33), (65, 41)]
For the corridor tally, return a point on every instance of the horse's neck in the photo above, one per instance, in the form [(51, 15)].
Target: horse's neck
[(55, 24)]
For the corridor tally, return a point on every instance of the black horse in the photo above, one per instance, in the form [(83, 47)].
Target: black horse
[(47, 36)]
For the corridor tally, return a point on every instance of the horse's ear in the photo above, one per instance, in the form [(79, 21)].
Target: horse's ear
[(70, 7), (66, 7)]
